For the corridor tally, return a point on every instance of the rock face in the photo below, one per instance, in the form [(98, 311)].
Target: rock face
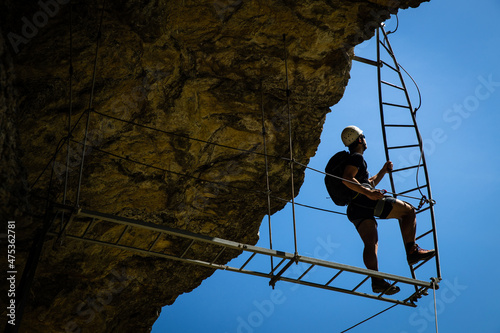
[(163, 83)]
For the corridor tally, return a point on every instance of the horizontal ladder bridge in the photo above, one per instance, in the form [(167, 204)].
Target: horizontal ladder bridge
[(331, 271)]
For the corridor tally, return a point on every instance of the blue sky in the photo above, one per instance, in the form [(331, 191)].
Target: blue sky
[(451, 49)]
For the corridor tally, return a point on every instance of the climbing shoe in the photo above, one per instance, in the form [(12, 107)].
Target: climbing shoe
[(379, 286), (416, 254)]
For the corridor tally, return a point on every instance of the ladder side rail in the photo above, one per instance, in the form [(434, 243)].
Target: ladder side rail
[(406, 302), (429, 197), (381, 108), (364, 271), (397, 67), (181, 233)]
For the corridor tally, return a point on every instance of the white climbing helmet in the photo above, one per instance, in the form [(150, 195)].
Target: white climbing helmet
[(350, 134)]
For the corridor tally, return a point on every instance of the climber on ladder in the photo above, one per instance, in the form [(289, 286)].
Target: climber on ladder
[(366, 202)]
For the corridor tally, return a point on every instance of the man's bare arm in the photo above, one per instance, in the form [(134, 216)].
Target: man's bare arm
[(350, 172), (378, 177)]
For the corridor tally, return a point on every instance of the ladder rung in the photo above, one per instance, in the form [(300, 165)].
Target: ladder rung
[(154, 243), (367, 61), (333, 278), (359, 285), (423, 210), (396, 105), (386, 48), (392, 285), (406, 146), (278, 276), (307, 271), (218, 254), (386, 64), (394, 125), (425, 234), (88, 228), (392, 85), (414, 189), (422, 263), (185, 251), (123, 233), (248, 260), (278, 265), (407, 168)]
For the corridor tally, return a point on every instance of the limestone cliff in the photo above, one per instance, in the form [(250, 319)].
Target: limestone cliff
[(166, 72)]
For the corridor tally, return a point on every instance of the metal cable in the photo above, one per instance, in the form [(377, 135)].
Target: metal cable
[(199, 140), (91, 99), (59, 147), (267, 173), (435, 303), (70, 110), (290, 143), (397, 26), (375, 315), (238, 149), (416, 86), (188, 137), (291, 159), (352, 182), (126, 158)]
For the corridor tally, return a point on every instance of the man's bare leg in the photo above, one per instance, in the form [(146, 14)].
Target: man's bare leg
[(369, 235), (407, 217)]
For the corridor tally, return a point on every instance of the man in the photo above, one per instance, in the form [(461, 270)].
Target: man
[(369, 202)]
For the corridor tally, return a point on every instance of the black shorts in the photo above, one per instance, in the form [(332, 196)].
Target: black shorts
[(358, 211)]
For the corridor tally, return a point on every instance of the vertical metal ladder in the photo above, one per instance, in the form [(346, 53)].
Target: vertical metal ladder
[(399, 122)]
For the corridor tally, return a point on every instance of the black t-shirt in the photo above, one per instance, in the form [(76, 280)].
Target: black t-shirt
[(357, 160)]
